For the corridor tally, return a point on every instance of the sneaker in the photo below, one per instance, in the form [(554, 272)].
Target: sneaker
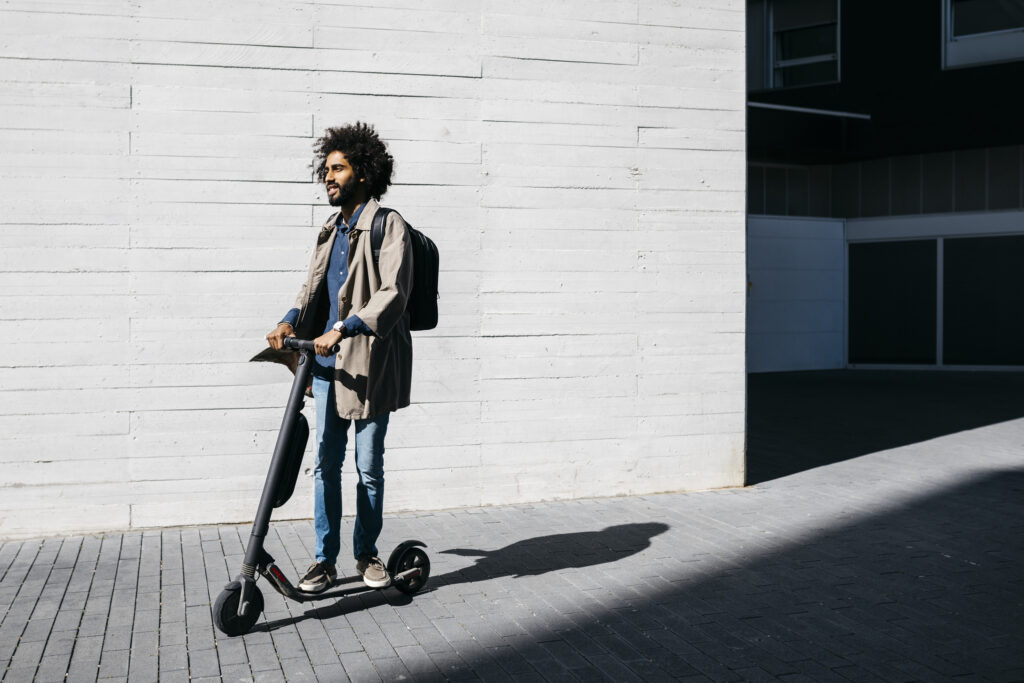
[(375, 574), (319, 577)]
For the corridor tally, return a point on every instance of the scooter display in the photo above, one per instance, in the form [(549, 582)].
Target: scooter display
[(239, 605)]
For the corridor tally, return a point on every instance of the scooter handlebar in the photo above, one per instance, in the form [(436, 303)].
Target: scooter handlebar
[(304, 345)]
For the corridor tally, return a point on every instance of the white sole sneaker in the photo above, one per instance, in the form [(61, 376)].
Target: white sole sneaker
[(373, 583), (317, 586), (377, 584)]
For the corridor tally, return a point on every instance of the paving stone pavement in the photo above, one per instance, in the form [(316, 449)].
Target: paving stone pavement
[(902, 564)]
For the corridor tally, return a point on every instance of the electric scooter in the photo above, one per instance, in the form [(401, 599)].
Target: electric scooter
[(240, 604)]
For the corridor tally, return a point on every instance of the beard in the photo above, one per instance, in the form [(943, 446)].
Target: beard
[(345, 193)]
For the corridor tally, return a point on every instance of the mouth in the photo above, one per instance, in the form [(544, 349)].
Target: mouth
[(331, 188)]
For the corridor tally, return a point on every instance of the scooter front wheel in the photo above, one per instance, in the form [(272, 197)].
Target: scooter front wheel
[(225, 611)]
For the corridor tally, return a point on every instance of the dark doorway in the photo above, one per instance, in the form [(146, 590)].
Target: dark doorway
[(983, 301), (893, 302)]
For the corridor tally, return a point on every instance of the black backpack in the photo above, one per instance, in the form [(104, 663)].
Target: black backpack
[(422, 304)]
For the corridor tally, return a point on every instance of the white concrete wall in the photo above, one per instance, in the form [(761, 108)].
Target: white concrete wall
[(580, 164), (796, 306)]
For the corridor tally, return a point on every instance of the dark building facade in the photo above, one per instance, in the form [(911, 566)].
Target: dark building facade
[(901, 121)]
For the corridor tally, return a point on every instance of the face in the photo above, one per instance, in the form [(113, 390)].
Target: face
[(340, 179)]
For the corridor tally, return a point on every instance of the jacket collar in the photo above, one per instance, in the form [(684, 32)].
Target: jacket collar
[(365, 221)]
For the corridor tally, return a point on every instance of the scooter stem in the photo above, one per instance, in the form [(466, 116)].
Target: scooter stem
[(261, 524)]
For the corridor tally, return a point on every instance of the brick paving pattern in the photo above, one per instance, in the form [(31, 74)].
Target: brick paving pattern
[(901, 564)]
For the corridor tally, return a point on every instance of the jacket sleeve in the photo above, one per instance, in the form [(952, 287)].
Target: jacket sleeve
[(386, 306)]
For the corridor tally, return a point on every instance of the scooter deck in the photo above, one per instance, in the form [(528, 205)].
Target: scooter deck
[(337, 591), (282, 585)]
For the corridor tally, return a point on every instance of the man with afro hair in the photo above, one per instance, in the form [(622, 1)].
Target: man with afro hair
[(358, 300)]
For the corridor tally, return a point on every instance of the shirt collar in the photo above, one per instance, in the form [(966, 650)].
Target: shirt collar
[(346, 226)]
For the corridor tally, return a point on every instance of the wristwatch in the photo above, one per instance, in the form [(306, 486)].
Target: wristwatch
[(340, 327)]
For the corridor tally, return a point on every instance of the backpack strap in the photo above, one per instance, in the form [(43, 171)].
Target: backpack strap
[(377, 233)]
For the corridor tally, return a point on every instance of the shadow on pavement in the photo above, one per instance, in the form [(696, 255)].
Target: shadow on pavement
[(525, 558), (544, 554), (801, 420), (929, 591), (355, 602)]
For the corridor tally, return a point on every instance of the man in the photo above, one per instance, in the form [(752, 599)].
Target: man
[(358, 300)]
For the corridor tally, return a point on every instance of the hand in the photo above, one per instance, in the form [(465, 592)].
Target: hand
[(324, 342), (276, 337)]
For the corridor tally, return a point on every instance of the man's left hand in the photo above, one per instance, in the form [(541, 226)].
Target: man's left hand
[(324, 342)]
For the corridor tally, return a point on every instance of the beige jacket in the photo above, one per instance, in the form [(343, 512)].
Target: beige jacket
[(372, 373)]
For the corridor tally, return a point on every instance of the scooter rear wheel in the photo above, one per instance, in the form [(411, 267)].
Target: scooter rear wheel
[(225, 612), (412, 558)]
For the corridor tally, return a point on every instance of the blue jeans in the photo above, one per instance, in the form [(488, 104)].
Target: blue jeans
[(331, 440)]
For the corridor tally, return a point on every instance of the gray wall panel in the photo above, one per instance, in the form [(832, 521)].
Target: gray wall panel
[(969, 180), (906, 185), (1004, 177), (937, 182), (573, 161)]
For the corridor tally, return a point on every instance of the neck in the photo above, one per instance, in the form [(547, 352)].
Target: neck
[(349, 207)]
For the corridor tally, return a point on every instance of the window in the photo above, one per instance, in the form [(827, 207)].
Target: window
[(804, 44), (981, 32)]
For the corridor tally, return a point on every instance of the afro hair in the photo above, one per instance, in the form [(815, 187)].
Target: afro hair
[(363, 149)]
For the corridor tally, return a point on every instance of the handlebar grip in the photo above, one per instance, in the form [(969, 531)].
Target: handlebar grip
[(304, 345)]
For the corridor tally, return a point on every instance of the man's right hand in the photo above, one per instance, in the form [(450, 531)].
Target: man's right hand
[(276, 337)]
